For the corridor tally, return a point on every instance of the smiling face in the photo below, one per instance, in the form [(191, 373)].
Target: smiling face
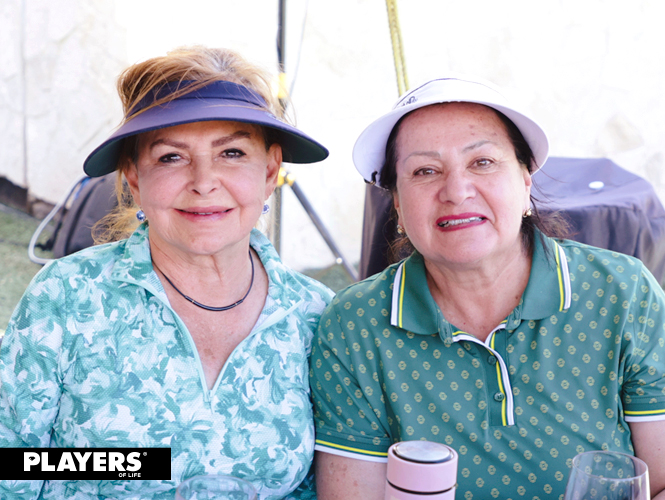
[(460, 191), (202, 185)]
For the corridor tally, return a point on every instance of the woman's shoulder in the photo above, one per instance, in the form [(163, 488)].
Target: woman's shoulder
[(78, 276), (89, 261), (64, 284), (307, 284), (101, 261), (615, 269), (376, 289), (577, 252)]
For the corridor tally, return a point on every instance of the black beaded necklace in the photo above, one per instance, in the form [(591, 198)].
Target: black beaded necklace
[(210, 308)]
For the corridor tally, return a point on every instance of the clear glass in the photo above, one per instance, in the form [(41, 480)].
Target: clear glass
[(215, 487), (607, 475)]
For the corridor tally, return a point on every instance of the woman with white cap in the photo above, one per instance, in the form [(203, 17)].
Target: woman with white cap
[(517, 349), (189, 334)]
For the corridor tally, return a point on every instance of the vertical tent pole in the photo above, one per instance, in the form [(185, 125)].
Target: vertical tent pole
[(281, 58)]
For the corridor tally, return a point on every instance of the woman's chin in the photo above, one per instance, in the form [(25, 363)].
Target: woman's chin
[(462, 251), (201, 242), (458, 261)]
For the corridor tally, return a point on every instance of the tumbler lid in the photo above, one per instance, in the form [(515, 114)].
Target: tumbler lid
[(423, 452), (422, 466)]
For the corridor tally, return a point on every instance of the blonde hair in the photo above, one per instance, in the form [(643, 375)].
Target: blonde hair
[(198, 64)]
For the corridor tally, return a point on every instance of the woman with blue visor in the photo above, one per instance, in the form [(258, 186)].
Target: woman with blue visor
[(189, 332)]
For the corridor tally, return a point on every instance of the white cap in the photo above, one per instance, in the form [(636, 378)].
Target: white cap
[(369, 151)]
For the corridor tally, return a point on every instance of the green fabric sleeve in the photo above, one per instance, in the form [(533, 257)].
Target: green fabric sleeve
[(643, 363), (349, 412)]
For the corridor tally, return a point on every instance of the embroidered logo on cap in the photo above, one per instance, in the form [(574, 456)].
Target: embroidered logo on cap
[(410, 100)]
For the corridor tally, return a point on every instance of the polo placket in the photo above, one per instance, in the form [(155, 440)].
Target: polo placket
[(492, 356)]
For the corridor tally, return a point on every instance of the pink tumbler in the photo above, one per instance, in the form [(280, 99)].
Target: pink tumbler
[(419, 470)]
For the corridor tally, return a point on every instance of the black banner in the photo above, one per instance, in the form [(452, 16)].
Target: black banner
[(86, 463)]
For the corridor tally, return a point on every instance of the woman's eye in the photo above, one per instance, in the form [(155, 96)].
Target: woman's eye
[(424, 171), (233, 153), (170, 158), (483, 162)]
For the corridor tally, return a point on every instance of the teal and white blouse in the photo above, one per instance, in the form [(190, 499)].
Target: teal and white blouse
[(94, 356)]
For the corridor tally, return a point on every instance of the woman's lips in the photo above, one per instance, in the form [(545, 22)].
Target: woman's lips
[(198, 213), (454, 222)]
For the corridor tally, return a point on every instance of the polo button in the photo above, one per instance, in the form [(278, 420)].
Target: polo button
[(491, 360), (499, 396)]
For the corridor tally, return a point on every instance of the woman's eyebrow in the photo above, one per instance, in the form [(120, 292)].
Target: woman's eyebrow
[(240, 134), (168, 142), (435, 154), (475, 145), (429, 154)]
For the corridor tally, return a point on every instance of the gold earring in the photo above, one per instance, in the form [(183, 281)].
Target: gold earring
[(528, 213), (400, 229)]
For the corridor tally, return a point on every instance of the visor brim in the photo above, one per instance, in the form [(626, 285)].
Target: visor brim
[(297, 147)]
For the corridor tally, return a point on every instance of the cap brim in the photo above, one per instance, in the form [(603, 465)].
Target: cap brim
[(369, 150), (297, 147)]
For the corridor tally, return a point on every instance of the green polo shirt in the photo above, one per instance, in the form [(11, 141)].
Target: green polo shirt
[(579, 357)]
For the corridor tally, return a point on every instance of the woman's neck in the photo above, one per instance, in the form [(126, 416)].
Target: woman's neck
[(214, 280), (477, 298)]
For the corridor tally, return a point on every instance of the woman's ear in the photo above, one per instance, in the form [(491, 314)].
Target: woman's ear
[(132, 176), (272, 170), (397, 207), (528, 183)]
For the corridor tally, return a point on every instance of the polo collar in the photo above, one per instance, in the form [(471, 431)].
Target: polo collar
[(135, 264), (412, 306), (547, 292)]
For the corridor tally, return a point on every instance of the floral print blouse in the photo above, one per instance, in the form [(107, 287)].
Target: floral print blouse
[(94, 356)]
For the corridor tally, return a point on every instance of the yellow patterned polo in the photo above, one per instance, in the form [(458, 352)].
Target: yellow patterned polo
[(579, 357)]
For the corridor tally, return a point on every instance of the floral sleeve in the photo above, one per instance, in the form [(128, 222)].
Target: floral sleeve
[(29, 373)]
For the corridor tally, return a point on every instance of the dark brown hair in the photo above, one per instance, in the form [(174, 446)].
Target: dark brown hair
[(551, 224)]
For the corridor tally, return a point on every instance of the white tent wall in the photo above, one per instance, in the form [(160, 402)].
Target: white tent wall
[(56, 90), (591, 72), (11, 93)]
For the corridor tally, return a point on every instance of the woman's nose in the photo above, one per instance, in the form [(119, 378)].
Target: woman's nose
[(204, 177), (456, 188)]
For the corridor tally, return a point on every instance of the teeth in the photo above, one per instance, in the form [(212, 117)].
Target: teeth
[(457, 222), (202, 213)]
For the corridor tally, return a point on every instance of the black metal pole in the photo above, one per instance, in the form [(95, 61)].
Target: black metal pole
[(281, 57), (339, 258)]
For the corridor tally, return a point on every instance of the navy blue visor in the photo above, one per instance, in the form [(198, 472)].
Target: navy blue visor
[(219, 100)]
